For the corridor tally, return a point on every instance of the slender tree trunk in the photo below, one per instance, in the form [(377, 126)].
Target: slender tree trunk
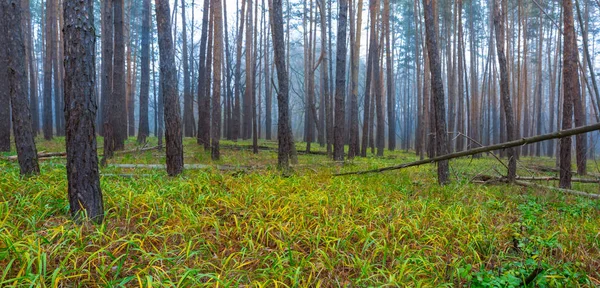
[(504, 88), (367, 98), (391, 101), (5, 121), (107, 66), (247, 115), (188, 108), (218, 54), (340, 82), (354, 148), (80, 74), (203, 109), (268, 88), (32, 68), (285, 138), (438, 91), (169, 87), (119, 112), (238, 76), (47, 115), (144, 128), (12, 60)]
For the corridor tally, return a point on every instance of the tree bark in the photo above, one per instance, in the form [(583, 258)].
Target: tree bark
[(438, 91), (391, 99), (169, 87), (47, 115), (238, 76), (571, 91), (12, 54), (218, 54), (247, 112), (340, 82), (80, 74), (203, 109), (107, 65), (119, 107), (284, 129), (144, 128), (354, 147), (188, 107)]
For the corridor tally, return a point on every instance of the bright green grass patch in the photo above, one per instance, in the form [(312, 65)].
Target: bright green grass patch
[(255, 227)]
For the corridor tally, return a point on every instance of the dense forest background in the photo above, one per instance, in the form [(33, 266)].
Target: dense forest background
[(466, 46)]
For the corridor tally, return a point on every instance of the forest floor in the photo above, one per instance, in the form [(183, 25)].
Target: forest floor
[(248, 225)]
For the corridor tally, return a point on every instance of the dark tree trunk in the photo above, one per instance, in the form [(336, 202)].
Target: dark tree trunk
[(340, 83), (169, 87), (144, 128), (235, 130), (203, 108), (268, 89), (367, 98), (33, 73), (284, 129), (571, 92), (119, 108), (80, 74), (188, 107), (107, 64), (437, 88), (391, 101), (218, 54), (354, 147), (47, 115), (378, 81), (504, 88), (12, 55), (4, 98), (247, 113), (57, 68)]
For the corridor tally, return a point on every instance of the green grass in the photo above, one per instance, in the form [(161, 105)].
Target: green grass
[(258, 228)]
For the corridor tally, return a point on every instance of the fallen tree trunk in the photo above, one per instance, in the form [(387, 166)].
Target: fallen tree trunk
[(523, 141), (567, 191), (486, 179), (553, 178)]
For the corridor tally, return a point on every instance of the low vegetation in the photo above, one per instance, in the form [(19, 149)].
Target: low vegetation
[(251, 226)]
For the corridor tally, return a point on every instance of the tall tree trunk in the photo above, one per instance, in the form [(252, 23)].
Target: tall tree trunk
[(268, 88), (218, 54), (12, 58), (80, 74), (354, 148), (367, 98), (32, 70), (340, 82), (188, 108), (169, 87), (107, 65), (285, 137), (238, 76), (504, 88), (119, 109), (247, 115), (438, 90), (47, 115), (539, 88), (144, 128), (377, 78), (203, 109), (571, 91), (391, 101), (5, 121)]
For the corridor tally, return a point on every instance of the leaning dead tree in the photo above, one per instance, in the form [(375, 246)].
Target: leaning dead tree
[(520, 142)]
